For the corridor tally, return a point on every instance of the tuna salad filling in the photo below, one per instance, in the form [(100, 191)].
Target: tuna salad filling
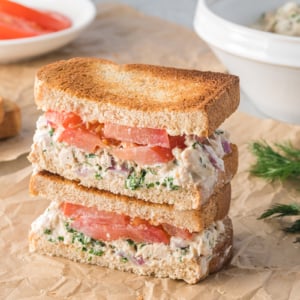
[(55, 226), (178, 162)]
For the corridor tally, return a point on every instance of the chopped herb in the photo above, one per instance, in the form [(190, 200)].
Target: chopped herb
[(157, 183), (195, 145), (80, 237), (44, 150), (68, 228), (47, 231), (130, 242), (168, 182), (61, 238), (135, 181), (98, 253), (98, 176), (90, 155), (90, 258), (150, 185), (124, 259), (84, 249), (51, 131), (202, 162), (152, 171), (141, 245), (99, 243), (185, 250)]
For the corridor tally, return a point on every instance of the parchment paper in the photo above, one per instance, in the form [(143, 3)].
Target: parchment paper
[(266, 263)]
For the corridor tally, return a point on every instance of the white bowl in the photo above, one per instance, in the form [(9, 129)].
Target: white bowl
[(81, 13), (268, 64)]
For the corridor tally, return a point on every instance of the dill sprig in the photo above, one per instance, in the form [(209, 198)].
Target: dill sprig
[(279, 162), (281, 210), (284, 210), (294, 228)]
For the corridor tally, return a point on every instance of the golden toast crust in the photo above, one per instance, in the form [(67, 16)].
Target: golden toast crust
[(139, 95)]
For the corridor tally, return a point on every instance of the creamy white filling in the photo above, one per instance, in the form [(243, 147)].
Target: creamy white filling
[(285, 20), (51, 225), (198, 164)]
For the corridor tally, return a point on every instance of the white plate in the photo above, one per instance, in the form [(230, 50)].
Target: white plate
[(81, 13)]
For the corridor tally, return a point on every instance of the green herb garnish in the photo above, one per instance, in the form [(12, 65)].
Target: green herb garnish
[(99, 243), (47, 231), (124, 259), (150, 185), (61, 238), (185, 250), (51, 131), (168, 182), (135, 180), (130, 242), (279, 162), (281, 210), (284, 210), (98, 176)]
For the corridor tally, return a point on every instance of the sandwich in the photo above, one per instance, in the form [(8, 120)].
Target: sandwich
[(135, 165)]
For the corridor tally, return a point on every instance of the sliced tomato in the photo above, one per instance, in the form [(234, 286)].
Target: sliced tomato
[(175, 231), (90, 136), (61, 21), (82, 139), (144, 155), (141, 136), (48, 21), (106, 226), (12, 27), (75, 211), (177, 141), (65, 119), (110, 232)]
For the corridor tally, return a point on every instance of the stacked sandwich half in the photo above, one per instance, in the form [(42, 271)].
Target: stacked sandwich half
[(134, 164)]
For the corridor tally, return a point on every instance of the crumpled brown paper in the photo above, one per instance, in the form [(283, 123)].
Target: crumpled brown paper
[(266, 262)]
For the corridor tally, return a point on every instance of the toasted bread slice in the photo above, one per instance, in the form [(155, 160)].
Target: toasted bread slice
[(180, 101), (11, 124), (59, 189), (208, 252)]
